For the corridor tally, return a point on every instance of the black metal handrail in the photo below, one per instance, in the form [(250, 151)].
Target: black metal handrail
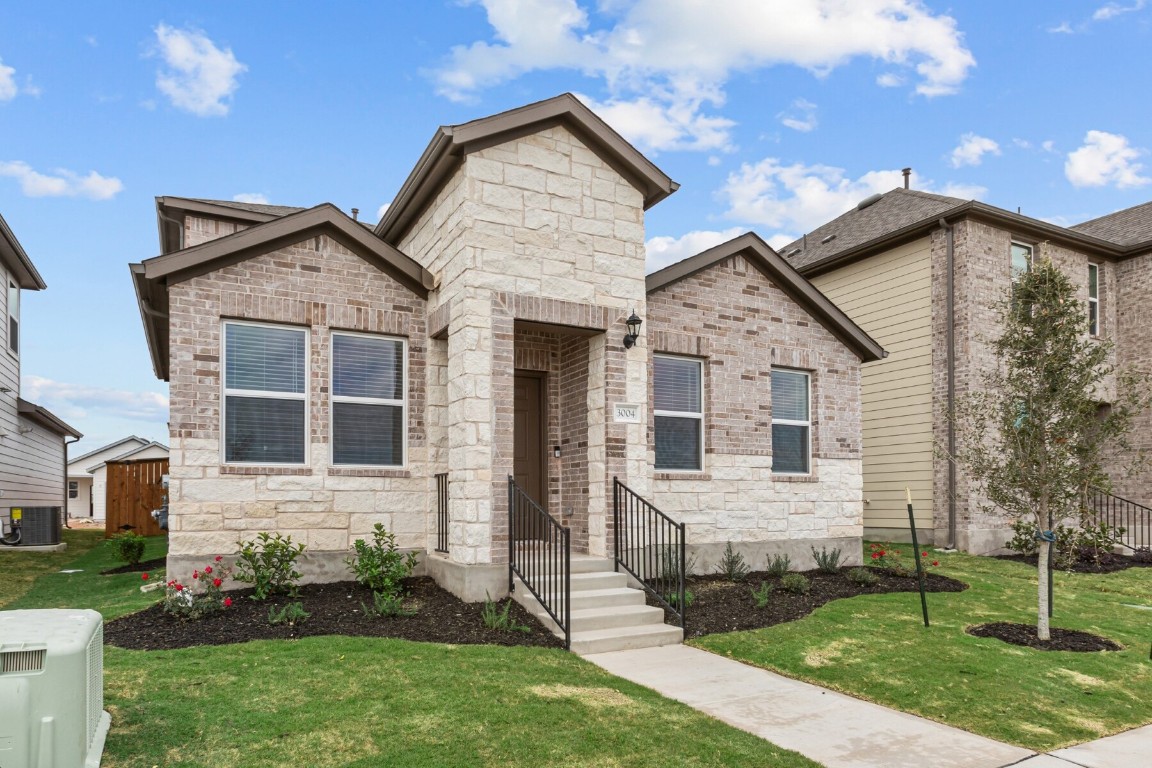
[(442, 512), (650, 546), (1115, 512), (540, 553)]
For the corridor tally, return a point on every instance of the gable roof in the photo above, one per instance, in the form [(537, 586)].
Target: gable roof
[(1131, 226), (130, 439), (16, 261), (452, 143), (170, 213), (153, 276), (45, 418), (127, 455), (782, 274)]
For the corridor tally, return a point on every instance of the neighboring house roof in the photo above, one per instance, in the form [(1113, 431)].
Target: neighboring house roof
[(16, 261), (782, 274), (452, 143), (1131, 226), (138, 441), (153, 276), (127, 455), (883, 221), (45, 418)]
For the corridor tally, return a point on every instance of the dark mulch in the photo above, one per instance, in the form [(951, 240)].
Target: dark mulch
[(719, 605), (1106, 563), (142, 567), (1062, 639), (335, 610)]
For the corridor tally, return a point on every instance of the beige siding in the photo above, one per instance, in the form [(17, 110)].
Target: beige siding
[(889, 296)]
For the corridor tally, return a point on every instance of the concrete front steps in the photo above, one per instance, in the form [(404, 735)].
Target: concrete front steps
[(607, 614)]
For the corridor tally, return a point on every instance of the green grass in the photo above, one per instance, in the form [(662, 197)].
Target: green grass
[(20, 569), (342, 701), (876, 648)]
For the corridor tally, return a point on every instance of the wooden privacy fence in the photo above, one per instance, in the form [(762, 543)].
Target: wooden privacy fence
[(134, 490)]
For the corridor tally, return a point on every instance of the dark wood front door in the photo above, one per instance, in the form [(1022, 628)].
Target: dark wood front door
[(528, 467)]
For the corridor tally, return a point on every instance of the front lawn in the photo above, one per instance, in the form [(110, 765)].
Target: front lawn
[(20, 569), (351, 701), (876, 647)]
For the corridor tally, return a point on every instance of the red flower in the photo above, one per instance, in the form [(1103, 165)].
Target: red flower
[(208, 568), (875, 555), (195, 574), (179, 587), (881, 553), (219, 558), (923, 554), (216, 582), (935, 562), (144, 576), (227, 602)]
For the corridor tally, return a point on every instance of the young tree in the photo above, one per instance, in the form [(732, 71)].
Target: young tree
[(1034, 439)]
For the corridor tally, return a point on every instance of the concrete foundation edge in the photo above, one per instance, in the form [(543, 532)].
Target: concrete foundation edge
[(470, 583)]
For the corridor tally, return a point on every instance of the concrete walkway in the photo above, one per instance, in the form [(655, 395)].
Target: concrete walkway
[(837, 730)]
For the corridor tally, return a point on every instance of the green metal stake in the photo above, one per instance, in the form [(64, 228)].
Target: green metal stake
[(916, 552)]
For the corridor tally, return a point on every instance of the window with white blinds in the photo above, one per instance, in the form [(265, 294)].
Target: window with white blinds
[(368, 403), (678, 392), (791, 422), (265, 394)]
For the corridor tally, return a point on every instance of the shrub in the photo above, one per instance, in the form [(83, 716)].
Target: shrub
[(1072, 543), (495, 618), (762, 595), (862, 576), (291, 614), (732, 564), (827, 562), (387, 605), (673, 599), (796, 583), (268, 563), (670, 563), (129, 546), (381, 566), (778, 565), (201, 598), (888, 557)]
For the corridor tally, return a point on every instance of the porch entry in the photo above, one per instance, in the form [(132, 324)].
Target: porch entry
[(529, 465)]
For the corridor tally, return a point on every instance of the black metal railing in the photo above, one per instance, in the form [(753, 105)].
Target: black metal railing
[(540, 553), (1135, 519), (650, 546), (442, 512)]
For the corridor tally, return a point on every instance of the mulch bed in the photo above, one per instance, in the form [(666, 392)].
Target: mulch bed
[(719, 605), (142, 567), (1108, 562), (1062, 639), (335, 610)]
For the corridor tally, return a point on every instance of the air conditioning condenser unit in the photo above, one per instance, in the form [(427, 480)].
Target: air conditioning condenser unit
[(52, 689)]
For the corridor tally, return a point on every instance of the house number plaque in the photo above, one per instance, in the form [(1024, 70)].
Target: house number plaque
[(627, 413)]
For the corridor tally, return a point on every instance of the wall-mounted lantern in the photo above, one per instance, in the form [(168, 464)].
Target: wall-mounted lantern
[(633, 322)]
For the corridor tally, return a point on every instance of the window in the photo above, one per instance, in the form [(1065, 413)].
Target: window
[(791, 422), (14, 318), (265, 394), (73, 489), (679, 412), (368, 419), (1021, 260), (1094, 299)]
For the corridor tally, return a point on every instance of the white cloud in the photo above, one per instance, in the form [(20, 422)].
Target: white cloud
[(1112, 10), (889, 80), (1048, 146), (200, 77), (382, 210), (972, 149), (78, 401), (800, 116), (664, 250), (8, 87), (1064, 28), (251, 197), (798, 198), (1105, 158), (64, 184), (660, 61)]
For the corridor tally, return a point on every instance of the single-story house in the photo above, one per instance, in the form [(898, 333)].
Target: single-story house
[(88, 473), (327, 375)]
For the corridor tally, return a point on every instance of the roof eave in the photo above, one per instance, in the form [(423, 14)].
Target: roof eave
[(45, 418), (17, 261)]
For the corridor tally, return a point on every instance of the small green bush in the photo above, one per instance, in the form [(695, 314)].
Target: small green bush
[(381, 566), (673, 599), (387, 605), (129, 547), (291, 614), (670, 563), (796, 583), (778, 565), (762, 595), (732, 564), (862, 576), (827, 562), (501, 620), (268, 563)]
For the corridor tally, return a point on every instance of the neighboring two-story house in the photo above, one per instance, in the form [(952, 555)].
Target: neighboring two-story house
[(327, 375), (922, 273), (32, 440)]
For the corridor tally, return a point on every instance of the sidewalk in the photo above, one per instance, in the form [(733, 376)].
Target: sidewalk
[(837, 730)]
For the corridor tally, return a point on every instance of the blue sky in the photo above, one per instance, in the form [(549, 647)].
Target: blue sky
[(773, 116)]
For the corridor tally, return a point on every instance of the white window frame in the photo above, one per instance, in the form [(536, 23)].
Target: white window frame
[(13, 315), (794, 422), (402, 402), (1093, 301), (306, 396), (699, 416), (1031, 257)]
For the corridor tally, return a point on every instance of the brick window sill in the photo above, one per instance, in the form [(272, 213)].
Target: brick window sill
[(350, 472), (248, 469), (682, 476)]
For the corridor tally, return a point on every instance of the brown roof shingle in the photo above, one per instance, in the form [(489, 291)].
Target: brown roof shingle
[(1127, 227)]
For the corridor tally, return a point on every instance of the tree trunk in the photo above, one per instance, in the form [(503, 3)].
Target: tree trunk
[(1042, 571)]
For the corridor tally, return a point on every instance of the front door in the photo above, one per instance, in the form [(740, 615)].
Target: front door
[(528, 467)]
